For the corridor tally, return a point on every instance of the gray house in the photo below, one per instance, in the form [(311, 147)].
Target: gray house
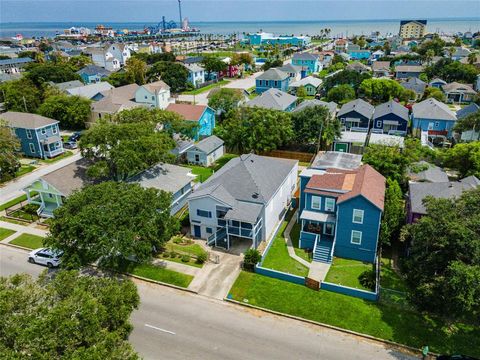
[(331, 106), (206, 151), (245, 200), (408, 71), (274, 99)]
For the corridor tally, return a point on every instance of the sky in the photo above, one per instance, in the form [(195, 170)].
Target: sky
[(232, 10)]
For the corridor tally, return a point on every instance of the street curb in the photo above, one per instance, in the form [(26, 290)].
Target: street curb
[(410, 349), (17, 246), (160, 283)]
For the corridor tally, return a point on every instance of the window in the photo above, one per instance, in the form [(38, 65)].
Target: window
[(329, 204), (358, 216), (43, 131), (54, 130), (356, 237), (153, 97), (209, 230), (328, 229), (29, 134), (316, 202), (379, 123), (437, 124), (276, 83), (146, 97), (204, 213)]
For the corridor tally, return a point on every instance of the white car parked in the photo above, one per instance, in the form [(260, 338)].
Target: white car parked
[(45, 256)]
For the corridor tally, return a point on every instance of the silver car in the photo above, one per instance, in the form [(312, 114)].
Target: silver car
[(45, 257)]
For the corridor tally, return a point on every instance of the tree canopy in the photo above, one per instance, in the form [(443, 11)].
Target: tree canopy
[(349, 77), (469, 122), (341, 94), (450, 71), (225, 99), (464, 157), (387, 160), (380, 90), (255, 129), (393, 212), (72, 111), (9, 144), (135, 71), (153, 58), (57, 73), (20, 95), (443, 267), (66, 317), (213, 64), (132, 224), (172, 73), (121, 150), (433, 92)]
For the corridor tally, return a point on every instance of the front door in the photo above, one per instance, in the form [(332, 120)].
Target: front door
[(341, 147), (197, 231)]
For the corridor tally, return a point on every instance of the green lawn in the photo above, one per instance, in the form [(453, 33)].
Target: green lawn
[(203, 173), (346, 272), (277, 257), (157, 273), (4, 233), (295, 236), (178, 259), (389, 279), (24, 169), (206, 88), (223, 160), (58, 158), (28, 241), (192, 249), (13, 202), (383, 321)]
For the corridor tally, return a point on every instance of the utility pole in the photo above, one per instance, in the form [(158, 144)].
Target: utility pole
[(180, 12), (25, 103)]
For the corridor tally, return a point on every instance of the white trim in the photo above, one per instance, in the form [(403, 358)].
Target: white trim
[(351, 237), (319, 202), (29, 134), (332, 208), (31, 147), (353, 216)]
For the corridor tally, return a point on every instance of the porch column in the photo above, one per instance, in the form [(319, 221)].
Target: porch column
[(28, 195), (56, 199)]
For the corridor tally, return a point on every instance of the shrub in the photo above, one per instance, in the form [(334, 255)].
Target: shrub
[(251, 258), (368, 279), (185, 258), (173, 254), (177, 240), (201, 258), (166, 254)]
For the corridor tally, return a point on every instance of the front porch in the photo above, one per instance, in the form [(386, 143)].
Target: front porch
[(47, 202), (233, 231), (52, 147), (318, 233)]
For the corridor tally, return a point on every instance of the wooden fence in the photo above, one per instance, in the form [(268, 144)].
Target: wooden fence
[(295, 155)]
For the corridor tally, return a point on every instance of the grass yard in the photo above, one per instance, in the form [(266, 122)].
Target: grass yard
[(191, 249), (24, 169), (346, 272), (178, 259), (12, 221), (383, 321), (157, 273), (277, 257), (4, 233), (58, 158), (223, 160), (390, 279), (203, 173), (13, 202), (206, 88), (295, 236), (28, 241)]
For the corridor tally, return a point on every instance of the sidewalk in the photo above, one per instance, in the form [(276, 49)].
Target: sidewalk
[(171, 265), (21, 229), (291, 250)]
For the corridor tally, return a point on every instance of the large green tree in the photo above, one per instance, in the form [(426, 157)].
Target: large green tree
[(433, 92), (450, 71), (20, 95), (121, 150), (213, 64), (223, 100), (153, 58), (110, 223), (174, 74), (393, 212), (443, 268), (469, 122), (68, 316), (255, 129), (380, 90), (42, 73), (387, 160), (135, 71), (465, 158), (349, 77), (341, 94), (72, 111), (9, 144)]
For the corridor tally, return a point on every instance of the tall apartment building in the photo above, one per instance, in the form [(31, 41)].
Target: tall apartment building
[(412, 29)]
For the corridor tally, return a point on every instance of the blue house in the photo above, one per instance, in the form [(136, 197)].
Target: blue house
[(39, 136), (437, 83), (203, 115), (263, 38), (433, 117), (272, 78), (361, 54), (404, 71), (340, 212), (356, 115), (390, 118), (309, 63), (196, 74), (92, 74)]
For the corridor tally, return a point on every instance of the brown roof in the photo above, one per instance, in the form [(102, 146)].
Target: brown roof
[(188, 111), (155, 86), (26, 120), (365, 181), (409, 68), (122, 93), (380, 65)]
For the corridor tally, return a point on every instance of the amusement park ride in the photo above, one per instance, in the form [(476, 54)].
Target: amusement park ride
[(171, 26)]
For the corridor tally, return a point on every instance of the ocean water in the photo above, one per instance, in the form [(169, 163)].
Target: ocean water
[(338, 27)]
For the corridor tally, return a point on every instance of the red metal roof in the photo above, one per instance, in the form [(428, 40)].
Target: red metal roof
[(188, 111)]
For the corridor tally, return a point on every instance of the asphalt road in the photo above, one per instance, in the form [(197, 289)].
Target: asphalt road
[(172, 324)]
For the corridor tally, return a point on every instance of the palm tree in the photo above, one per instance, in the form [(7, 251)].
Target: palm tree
[(472, 58)]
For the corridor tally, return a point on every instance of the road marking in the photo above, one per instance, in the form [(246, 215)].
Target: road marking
[(159, 329)]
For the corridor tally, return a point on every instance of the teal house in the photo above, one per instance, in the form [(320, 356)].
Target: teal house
[(360, 54), (202, 115), (263, 38), (92, 74), (340, 211), (39, 136), (309, 62), (272, 78)]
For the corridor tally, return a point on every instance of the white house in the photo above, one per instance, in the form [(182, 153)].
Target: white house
[(196, 74), (206, 151), (244, 201), (110, 56), (155, 94)]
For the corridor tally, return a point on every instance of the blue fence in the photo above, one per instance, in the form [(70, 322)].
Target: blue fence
[(280, 275), (345, 290)]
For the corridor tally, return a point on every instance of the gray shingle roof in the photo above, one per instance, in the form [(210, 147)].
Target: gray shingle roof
[(467, 110), (432, 173), (309, 80), (15, 61), (68, 85), (166, 177), (358, 105), (433, 109), (93, 70), (391, 107), (289, 68), (305, 56), (209, 144), (443, 190), (244, 211), (273, 74), (89, 91), (455, 86), (272, 99), (415, 84), (26, 120), (331, 106)]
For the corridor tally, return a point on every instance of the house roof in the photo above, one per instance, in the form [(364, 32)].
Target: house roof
[(156, 86), (117, 99), (309, 80), (244, 211), (414, 84), (364, 181), (455, 86), (166, 177), (15, 61), (93, 70), (358, 105), (336, 159), (26, 120), (67, 85), (69, 178), (467, 110), (353, 137), (409, 68), (122, 93), (391, 107), (188, 111), (273, 74), (437, 81), (248, 178), (432, 173), (433, 109), (193, 67), (357, 66), (440, 190), (209, 144), (183, 144), (290, 68), (89, 91), (272, 99), (386, 139), (331, 106), (305, 56), (421, 22), (381, 65)]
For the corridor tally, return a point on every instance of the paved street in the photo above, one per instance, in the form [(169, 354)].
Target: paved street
[(172, 324), (14, 188)]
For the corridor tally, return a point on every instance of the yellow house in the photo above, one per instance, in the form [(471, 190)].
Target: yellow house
[(412, 29)]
